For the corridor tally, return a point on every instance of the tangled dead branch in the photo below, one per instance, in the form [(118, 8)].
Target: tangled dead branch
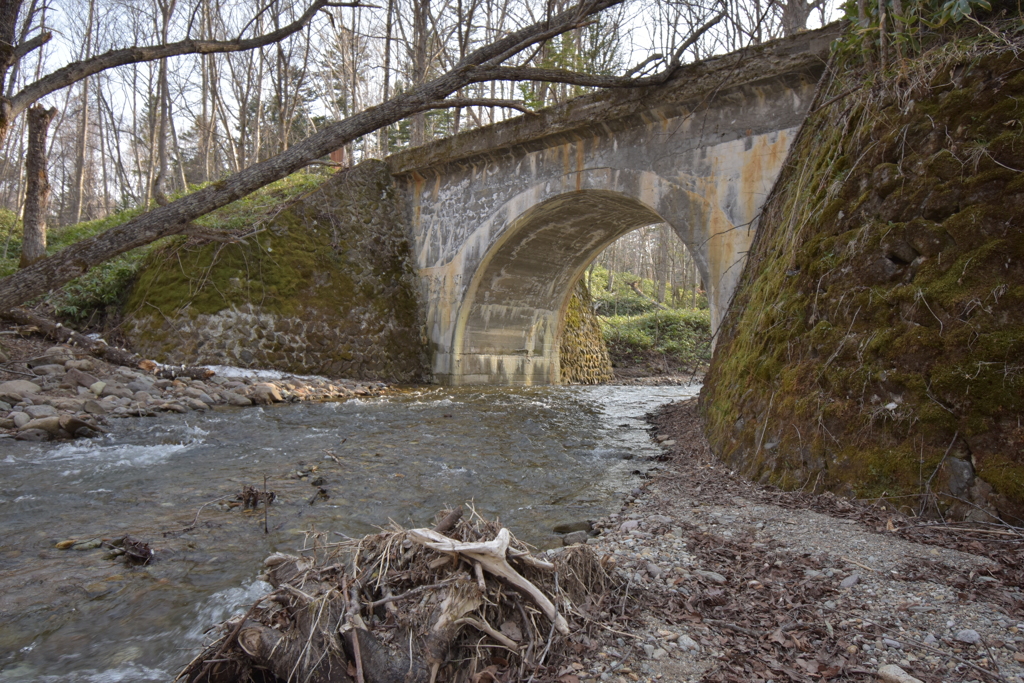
[(469, 605)]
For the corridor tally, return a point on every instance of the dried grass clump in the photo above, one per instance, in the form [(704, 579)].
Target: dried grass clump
[(463, 602)]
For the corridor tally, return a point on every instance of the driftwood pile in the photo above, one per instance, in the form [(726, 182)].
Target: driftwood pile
[(464, 602)]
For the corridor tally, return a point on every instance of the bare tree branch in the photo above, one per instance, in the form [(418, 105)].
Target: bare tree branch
[(173, 218), (76, 71), (479, 102)]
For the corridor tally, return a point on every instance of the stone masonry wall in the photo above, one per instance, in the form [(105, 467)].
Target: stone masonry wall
[(326, 287)]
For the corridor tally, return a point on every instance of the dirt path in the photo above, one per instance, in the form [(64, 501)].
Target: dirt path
[(735, 582)]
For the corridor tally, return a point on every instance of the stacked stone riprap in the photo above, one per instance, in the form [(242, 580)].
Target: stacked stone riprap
[(325, 287), (583, 355)]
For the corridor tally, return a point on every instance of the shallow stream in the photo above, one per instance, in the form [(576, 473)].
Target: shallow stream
[(535, 457)]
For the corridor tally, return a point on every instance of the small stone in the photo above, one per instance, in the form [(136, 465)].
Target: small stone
[(7, 423), (49, 424), (20, 419), (19, 386), (236, 399), (37, 411), (629, 525), (76, 378), (97, 387), (649, 649), (893, 644), (4, 406), (714, 577), (890, 673), (169, 407), (49, 370), (659, 653), (64, 545), (850, 581), (94, 407), (687, 643), (83, 364), (930, 639), (569, 527), (195, 404), (659, 519), (969, 636), (140, 385), (654, 570), (574, 538), (33, 435), (265, 392), (670, 442)]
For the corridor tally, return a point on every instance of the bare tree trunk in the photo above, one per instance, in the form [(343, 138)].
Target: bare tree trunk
[(419, 66), (37, 191), (388, 28), (83, 127)]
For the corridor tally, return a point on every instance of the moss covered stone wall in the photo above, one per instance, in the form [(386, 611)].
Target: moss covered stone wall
[(326, 287), (582, 353), (876, 343)]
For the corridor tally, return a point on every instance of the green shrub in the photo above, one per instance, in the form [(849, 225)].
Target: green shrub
[(684, 335)]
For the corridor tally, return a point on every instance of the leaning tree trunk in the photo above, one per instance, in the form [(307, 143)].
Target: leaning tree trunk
[(37, 190)]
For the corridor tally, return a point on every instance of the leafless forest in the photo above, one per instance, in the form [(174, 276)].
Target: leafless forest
[(128, 133)]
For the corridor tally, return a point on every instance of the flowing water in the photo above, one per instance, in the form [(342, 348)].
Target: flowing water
[(535, 457)]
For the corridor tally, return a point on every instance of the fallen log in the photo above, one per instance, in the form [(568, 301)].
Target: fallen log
[(98, 347)]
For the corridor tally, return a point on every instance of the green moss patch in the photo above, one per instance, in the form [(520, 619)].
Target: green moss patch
[(879, 323)]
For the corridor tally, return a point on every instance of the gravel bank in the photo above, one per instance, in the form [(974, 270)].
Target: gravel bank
[(734, 582)]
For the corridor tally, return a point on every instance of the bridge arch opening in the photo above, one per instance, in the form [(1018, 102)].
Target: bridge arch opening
[(509, 323)]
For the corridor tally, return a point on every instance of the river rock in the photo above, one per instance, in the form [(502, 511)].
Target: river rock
[(20, 419), (7, 423), (98, 387), (4, 406), (117, 390), (195, 403), (172, 408), (94, 407), (52, 370), (49, 424), (850, 581), (236, 399), (19, 386), (140, 385), (569, 527), (574, 538), (83, 364), (40, 411), (659, 519), (75, 377), (629, 525), (33, 435), (264, 392), (76, 427)]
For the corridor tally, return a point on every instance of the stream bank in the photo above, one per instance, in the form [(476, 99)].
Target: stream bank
[(735, 581)]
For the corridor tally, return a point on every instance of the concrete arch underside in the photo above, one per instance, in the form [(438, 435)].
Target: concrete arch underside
[(509, 325)]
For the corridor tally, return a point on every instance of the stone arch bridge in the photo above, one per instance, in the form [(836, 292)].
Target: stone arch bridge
[(504, 219)]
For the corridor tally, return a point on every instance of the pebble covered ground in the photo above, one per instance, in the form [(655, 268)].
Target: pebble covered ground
[(724, 585), (57, 392)]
